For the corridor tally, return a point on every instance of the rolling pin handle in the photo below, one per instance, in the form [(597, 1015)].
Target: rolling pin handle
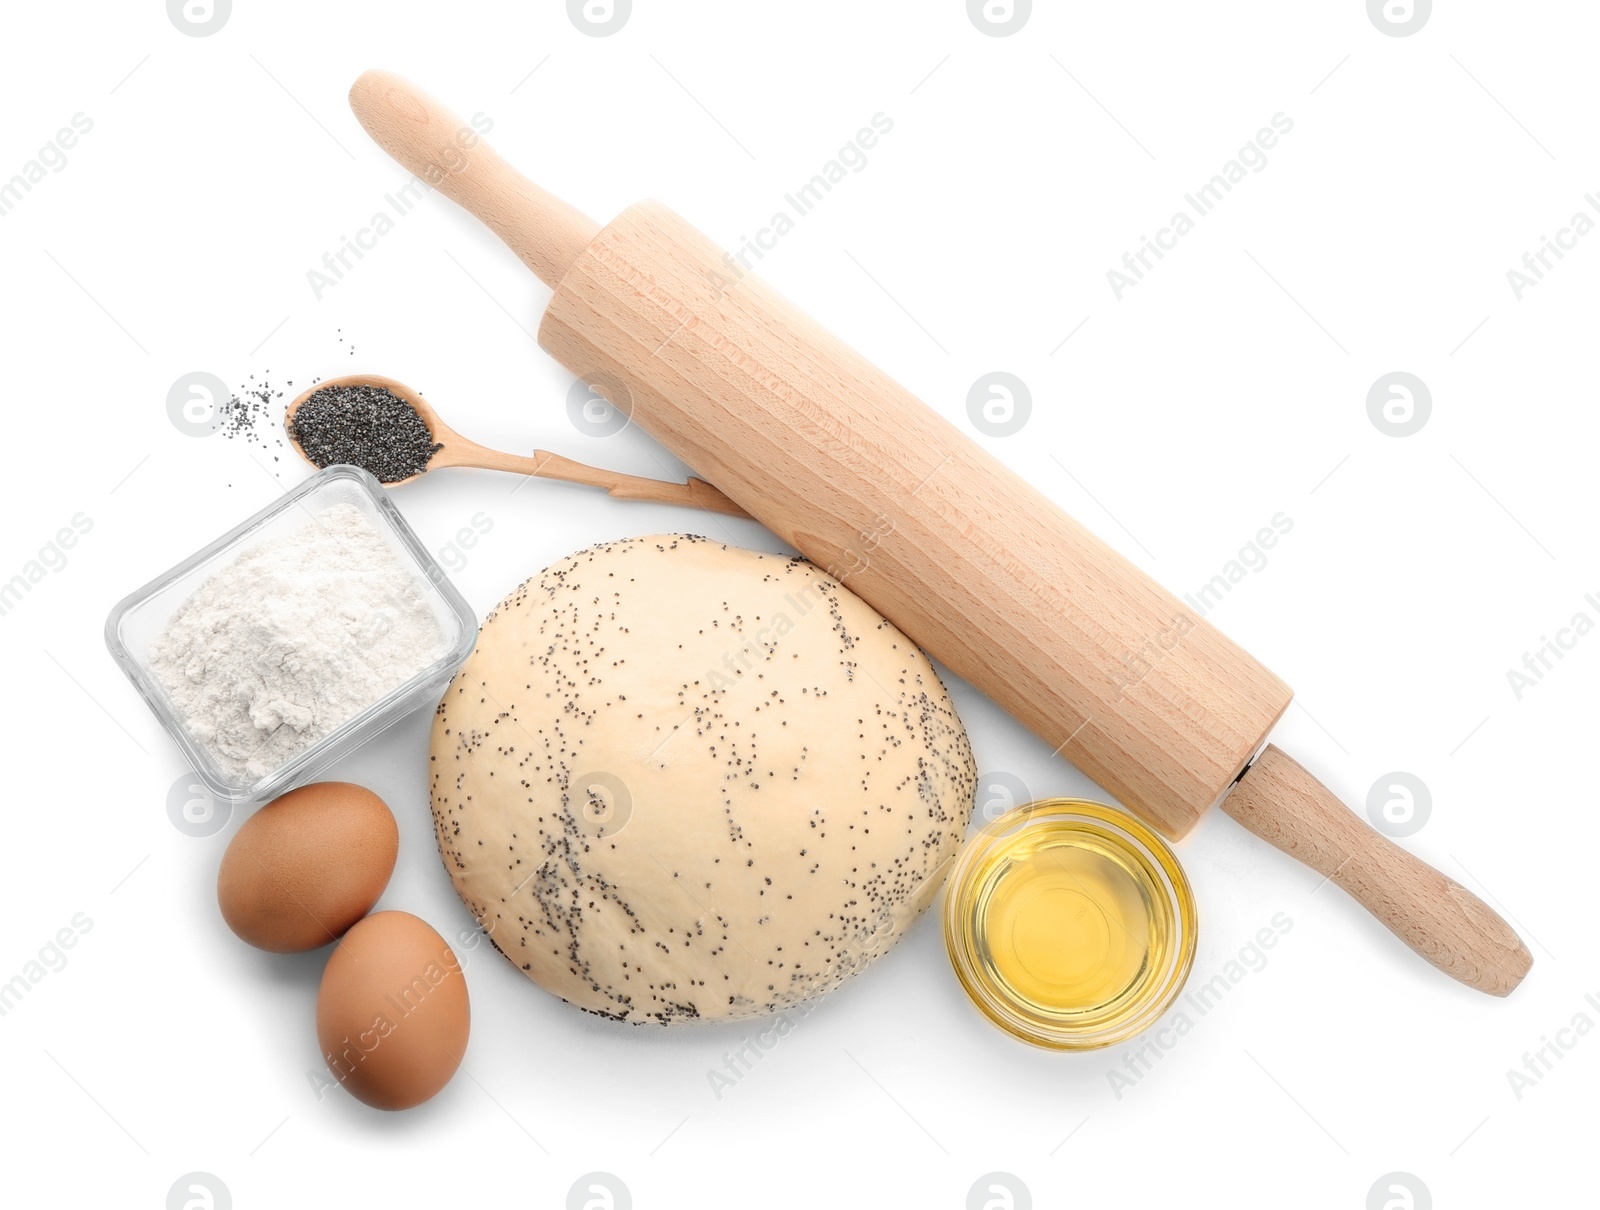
[(1436, 916), (451, 156)]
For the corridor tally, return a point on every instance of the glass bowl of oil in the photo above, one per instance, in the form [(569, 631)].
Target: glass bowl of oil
[(1070, 924)]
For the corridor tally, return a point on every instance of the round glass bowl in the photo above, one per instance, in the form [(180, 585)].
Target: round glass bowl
[(1070, 924)]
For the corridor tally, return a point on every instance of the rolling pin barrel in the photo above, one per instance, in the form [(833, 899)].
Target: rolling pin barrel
[(976, 565), (973, 563)]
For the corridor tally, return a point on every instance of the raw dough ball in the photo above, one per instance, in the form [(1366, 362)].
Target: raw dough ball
[(679, 779)]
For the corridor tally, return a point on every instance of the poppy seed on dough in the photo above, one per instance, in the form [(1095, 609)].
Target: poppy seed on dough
[(740, 670)]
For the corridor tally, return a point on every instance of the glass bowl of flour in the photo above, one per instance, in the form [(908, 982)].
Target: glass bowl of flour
[(294, 638)]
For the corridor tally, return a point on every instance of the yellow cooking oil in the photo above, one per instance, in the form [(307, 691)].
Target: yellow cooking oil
[(1070, 923)]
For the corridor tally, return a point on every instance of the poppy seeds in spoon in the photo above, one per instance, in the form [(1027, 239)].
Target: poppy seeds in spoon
[(366, 426)]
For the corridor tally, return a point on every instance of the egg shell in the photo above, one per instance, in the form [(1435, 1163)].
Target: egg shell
[(392, 1013), (307, 866)]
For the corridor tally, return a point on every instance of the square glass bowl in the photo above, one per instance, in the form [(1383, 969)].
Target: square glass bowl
[(139, 618)]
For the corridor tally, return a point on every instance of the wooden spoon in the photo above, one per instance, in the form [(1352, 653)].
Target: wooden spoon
[(457, 450)]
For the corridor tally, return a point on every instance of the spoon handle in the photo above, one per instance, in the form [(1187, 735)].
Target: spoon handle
[(450, 155), (696, 493)]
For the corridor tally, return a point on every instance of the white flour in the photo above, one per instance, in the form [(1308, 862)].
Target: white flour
[(295, 636)]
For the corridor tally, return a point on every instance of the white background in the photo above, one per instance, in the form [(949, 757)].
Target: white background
[(1227, 387)]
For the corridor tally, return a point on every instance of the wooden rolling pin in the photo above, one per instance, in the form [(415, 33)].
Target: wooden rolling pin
[(975, 565)]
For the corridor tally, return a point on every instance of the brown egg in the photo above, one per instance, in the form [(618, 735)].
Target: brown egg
[(392, 1014), (307, 866)]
